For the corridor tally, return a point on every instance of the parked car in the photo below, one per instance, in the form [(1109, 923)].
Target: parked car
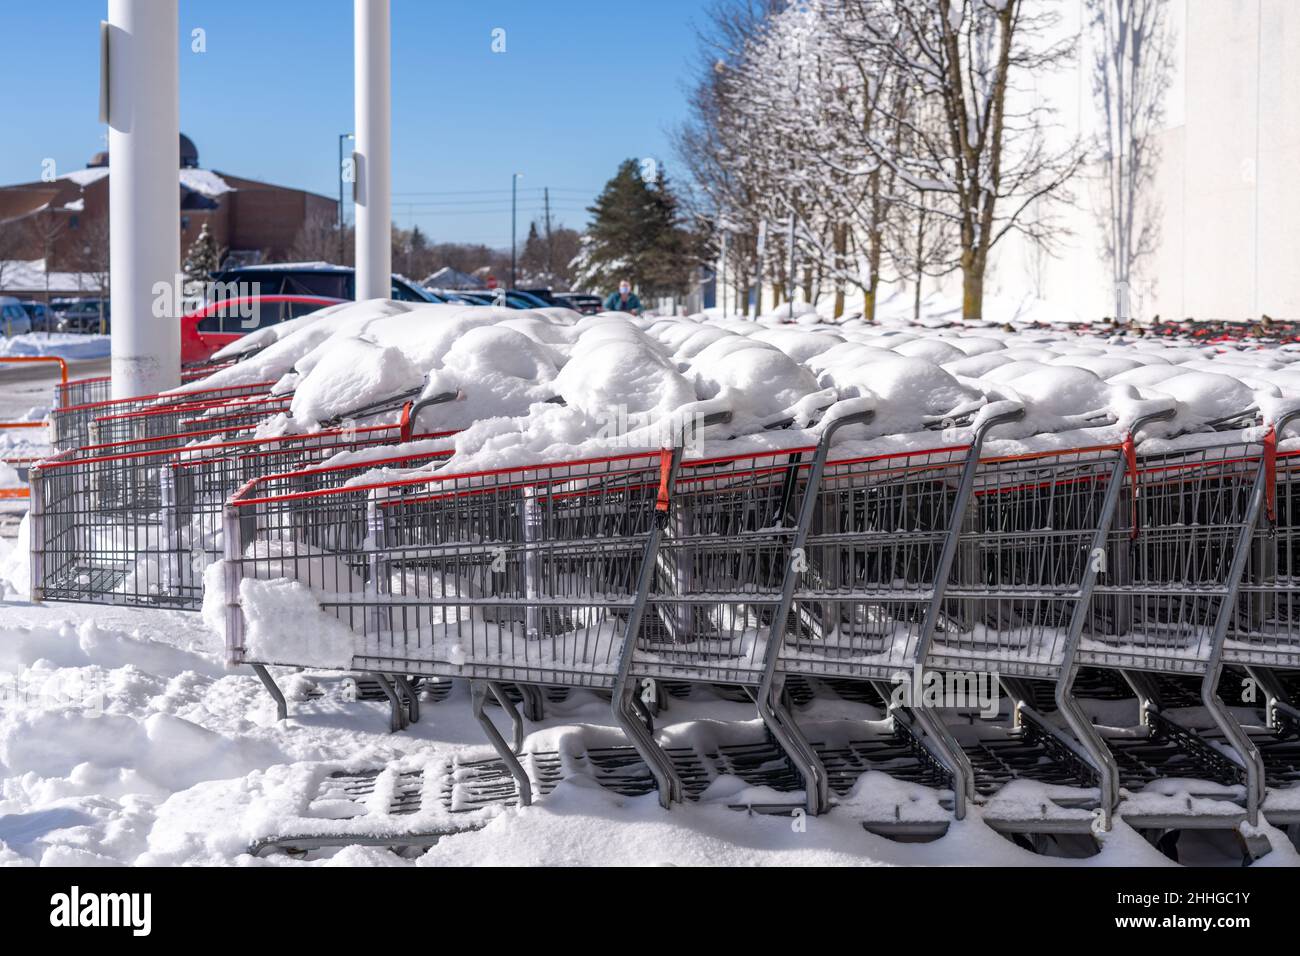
[(40, 314), (306, 278), (218, 323), (580, 302), (544, 294), (83, 316), (463, 298), (14, 319)]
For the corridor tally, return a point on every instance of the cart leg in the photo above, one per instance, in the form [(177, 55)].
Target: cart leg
[(667, 782), (533, 701), (412, 698), (397, 715), (1248, 755), (478, 691), (281, 706), (945, 747), (643, 711), (790, 738), (1103, 760), (1144, 689)]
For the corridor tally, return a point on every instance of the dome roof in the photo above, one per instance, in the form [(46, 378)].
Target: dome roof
[(189, 155)]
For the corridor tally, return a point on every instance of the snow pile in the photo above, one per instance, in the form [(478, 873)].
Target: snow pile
[(67, 345), (283, 621), (493, 370), (532, 386), (615, 375), (349, 375)]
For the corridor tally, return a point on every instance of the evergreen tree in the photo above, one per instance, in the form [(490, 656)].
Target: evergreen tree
[(419, 244), (637, 233), (203, 258), (532, 263)]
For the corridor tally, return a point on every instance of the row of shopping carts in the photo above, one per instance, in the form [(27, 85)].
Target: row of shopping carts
[(1146, 565), (136, 518)]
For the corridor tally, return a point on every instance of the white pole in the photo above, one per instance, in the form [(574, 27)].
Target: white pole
[(374, 203), (143, 195)]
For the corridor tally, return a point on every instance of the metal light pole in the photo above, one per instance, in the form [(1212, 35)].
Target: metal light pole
[(373, 197), (514, 191), (342, 243), (139, 100)]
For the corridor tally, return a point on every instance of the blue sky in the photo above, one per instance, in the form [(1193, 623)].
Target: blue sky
[(583, 84)]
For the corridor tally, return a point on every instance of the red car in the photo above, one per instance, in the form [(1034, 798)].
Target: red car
[(217, 324)]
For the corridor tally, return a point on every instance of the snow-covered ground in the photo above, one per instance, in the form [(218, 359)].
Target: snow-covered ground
[(124, 741), (67, 345)]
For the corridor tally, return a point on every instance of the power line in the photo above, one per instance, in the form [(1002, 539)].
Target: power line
[(479, 192)]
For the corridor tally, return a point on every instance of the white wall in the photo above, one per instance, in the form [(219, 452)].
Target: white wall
[(1228, 183)]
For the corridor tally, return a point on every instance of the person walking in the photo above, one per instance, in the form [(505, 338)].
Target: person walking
[(624, 300)]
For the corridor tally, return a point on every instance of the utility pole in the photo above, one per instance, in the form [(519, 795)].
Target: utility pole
[(372, 81), (550, 252), (514, 191), (139, 102)]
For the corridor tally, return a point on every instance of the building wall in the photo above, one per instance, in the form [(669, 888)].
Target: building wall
[(1228, 182), (192, 223), (253, 216)]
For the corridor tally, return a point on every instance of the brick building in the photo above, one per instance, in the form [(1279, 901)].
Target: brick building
[(65, 221)]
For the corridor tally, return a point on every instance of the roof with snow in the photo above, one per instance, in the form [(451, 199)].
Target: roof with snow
[(28, 276)]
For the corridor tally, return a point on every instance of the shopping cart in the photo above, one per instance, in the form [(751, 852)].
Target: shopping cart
[(1176, 563), (99, 388), (83, 391), (539, 575), (137, 526), (1263, 634), (71, 424), (229, 415), (528, 575)]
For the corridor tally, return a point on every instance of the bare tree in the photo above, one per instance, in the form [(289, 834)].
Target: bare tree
[(11, 247), (318, 241), (981, 153), (1132, 68), (92, 259), (714, 144), (47, 227)]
